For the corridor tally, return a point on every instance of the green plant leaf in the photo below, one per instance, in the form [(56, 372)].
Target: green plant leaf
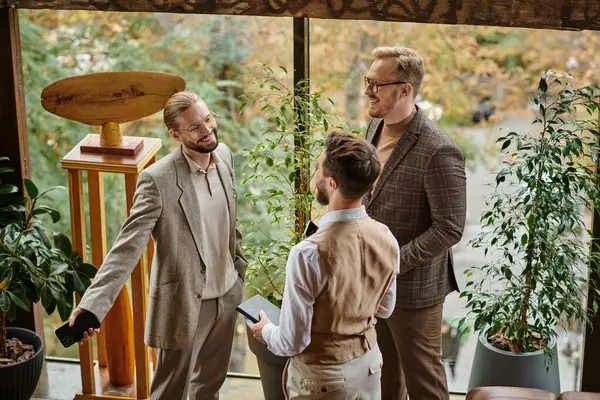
[(524, 239), (42, 236), (62, 242), (8, 189), (543, 86), (20, 300), (46, 296), (11, 314), (65, 306), (56, 289), (84, 280), (58, 269), (32, 190), (55, 215), (88, 269), (4, 302), (51, 307), (79, 286)]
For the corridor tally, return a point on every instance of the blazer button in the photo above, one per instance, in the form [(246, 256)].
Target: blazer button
[(200, 296)]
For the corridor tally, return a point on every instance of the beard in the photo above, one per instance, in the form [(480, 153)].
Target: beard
[(384, 105), (204, 148), (321, 196)]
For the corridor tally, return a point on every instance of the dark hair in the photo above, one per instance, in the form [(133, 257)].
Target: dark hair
[(352, 162)]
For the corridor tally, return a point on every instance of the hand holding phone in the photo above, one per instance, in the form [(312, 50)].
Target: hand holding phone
[(81, 326)]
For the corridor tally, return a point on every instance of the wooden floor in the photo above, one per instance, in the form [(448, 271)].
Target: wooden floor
[(62, 381)]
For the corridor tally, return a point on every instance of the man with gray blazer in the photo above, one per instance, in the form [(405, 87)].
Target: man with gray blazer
[(421, 196), (187, 202)]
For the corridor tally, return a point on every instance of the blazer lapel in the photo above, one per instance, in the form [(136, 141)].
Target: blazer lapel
[(188, 198), (405, 143), (227, 182), (374, 127)]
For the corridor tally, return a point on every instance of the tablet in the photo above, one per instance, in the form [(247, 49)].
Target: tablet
[(251, 307)]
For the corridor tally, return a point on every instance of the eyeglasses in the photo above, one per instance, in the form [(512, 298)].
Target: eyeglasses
[(195, 129), (374, 86)]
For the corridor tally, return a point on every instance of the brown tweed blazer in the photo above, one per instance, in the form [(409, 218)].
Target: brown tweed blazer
[(421, 196)]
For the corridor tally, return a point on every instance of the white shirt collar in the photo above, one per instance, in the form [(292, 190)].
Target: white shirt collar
[(342, 215)]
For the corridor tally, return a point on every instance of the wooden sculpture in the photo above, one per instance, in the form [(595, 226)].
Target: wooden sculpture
[(109, 99)]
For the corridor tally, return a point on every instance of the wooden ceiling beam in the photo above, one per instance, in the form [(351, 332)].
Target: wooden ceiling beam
[(542, 14)]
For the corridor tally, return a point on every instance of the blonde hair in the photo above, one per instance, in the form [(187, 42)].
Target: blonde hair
[(409, 64), (177, 104)]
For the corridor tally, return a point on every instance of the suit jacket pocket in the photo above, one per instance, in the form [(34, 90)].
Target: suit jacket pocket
[(164, 290)]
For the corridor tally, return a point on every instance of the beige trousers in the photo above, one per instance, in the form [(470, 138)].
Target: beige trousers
[(411, 343), (359, 379), (200, 370)]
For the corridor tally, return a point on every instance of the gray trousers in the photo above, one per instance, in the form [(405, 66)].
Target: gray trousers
[(359, 379), (200, 370)]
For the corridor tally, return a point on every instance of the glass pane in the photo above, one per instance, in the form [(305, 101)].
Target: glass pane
[(216, 55)]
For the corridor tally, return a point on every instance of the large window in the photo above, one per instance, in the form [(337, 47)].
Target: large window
[(478, 79)]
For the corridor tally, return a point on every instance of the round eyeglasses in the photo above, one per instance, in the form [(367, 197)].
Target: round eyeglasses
[(195, 129)]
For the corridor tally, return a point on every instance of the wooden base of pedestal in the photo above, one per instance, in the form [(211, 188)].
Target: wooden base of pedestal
[(106, 390), (130, 146)]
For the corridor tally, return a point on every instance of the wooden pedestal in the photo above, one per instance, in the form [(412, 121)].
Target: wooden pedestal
[(95, 165)]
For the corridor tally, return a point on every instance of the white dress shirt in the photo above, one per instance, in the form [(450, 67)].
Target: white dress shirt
[(303, 284)]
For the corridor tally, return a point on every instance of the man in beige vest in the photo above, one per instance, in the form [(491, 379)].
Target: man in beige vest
[(337, 282), (186, 201)]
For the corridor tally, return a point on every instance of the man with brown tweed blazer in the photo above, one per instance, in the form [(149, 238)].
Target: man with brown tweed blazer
[(421, 196)]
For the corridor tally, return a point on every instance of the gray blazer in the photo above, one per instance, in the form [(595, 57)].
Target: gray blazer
[(166, 207), (421, 197)]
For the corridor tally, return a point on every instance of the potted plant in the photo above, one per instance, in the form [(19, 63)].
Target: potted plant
[(276, 179), (32, 268), (535, 239)]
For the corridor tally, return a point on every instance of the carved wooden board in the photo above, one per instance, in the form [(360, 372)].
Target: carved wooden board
[(552, 14), (111, 96)]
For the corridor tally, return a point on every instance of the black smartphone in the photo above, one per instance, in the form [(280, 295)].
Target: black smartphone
[(68, 335), (311, 228)]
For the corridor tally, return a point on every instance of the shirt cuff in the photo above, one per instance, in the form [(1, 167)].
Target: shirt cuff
[(267, 332)]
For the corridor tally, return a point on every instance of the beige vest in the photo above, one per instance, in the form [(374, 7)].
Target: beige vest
[(358, 258)]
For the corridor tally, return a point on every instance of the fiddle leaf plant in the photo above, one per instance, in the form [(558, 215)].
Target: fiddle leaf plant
[(533, 233), (33, 266), (278, 171)]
